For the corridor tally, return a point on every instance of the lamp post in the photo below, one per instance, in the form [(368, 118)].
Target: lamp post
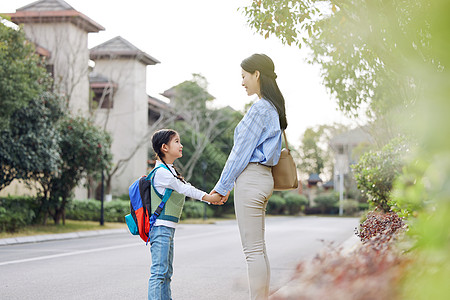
[(102, 196), (204, 166), (341, 193)]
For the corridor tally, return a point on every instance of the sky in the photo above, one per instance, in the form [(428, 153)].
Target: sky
[(210, 38)]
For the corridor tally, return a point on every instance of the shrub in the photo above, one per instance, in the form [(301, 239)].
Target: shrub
[(86, 210), (90, 210), (350, 206), (276, 205), (294, 202), (115, 211), (380, 224), (326, 202), (195, 209), (377, 170), (16, 213)]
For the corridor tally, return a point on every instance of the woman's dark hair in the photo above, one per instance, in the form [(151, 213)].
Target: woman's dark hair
[(268, 85), (159, 138)]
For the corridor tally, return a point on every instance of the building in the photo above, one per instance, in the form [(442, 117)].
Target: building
[(122, 106), (117, 83), (344, 146)]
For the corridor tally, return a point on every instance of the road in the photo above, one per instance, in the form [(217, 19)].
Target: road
[(208, 263)]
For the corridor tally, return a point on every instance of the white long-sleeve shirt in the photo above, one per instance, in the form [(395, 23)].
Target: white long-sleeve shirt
[(163, 180)]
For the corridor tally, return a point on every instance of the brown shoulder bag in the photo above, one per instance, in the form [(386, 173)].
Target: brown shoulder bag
[(285, 172)]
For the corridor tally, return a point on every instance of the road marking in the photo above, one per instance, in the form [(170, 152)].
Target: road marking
[(197, 235), (179, 236), (67, 254)]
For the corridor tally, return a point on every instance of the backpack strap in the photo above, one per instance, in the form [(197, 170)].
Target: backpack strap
[(164, 197)]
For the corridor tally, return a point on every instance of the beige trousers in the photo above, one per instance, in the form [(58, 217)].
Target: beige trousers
[(252, 190)]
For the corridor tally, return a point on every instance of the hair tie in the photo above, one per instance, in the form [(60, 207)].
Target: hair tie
[(272, 75)]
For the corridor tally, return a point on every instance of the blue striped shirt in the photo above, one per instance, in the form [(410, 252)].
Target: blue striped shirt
[(257, 138)]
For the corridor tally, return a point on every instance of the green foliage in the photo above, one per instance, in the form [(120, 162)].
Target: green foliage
[(84, 149), (409, 194), (285, 19), (427, 278), (276, 205), (350, 206), (295, 203), (206, 134), (195, 209), (315, 154), (212, 159), (22, 75), (85, 210), (377, 170), (326, 202), (362, 46), (392, 57), (192, 94), (311, 154), (90, 210), (29, 144), (16, 213)]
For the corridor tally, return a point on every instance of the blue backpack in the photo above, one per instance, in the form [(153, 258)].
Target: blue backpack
[(140, 220)]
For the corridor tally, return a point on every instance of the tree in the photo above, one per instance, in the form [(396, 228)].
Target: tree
[(22, 75), (200, 124), (314, 151), (362, 46), (165, 119), (29, 145), (85, 150), (214, 156)]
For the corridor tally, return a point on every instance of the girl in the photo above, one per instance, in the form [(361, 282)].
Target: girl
[(257, 147), (167, 181)]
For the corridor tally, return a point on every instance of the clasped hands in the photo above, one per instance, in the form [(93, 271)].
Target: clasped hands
[(217, 199)]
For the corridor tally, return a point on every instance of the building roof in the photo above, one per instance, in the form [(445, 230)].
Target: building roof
[(46, 5), (157, 103), (172, 92), (328, 184), (352, 137), (53, 11), (314, 177), (119, 47)]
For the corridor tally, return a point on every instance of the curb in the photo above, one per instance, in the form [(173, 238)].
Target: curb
[(57, 236)]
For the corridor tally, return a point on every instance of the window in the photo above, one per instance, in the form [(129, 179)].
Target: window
[(103, 97)]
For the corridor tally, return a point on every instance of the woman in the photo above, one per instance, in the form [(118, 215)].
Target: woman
[(257, 147)]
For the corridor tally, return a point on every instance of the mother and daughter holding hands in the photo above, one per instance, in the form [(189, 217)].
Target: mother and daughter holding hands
[(257, 147)]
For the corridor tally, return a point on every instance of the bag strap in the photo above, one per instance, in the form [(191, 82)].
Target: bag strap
[(285, 141), (161, 205)]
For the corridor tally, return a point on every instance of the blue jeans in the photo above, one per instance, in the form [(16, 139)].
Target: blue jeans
[(161, 248)]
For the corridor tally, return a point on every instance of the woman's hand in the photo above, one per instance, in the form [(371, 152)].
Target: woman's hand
[(216, 199), (224, 198)]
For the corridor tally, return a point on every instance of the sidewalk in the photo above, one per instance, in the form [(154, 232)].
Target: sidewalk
[(291, 287), (58, 236)]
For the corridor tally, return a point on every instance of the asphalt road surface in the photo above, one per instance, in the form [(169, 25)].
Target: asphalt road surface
[(208, 263)]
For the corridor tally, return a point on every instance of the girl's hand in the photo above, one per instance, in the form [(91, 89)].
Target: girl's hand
[(224, 198), (214, 199)]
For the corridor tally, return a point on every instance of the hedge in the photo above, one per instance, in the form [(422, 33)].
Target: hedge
[(90, 210), (17, 212), (195, 209)]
